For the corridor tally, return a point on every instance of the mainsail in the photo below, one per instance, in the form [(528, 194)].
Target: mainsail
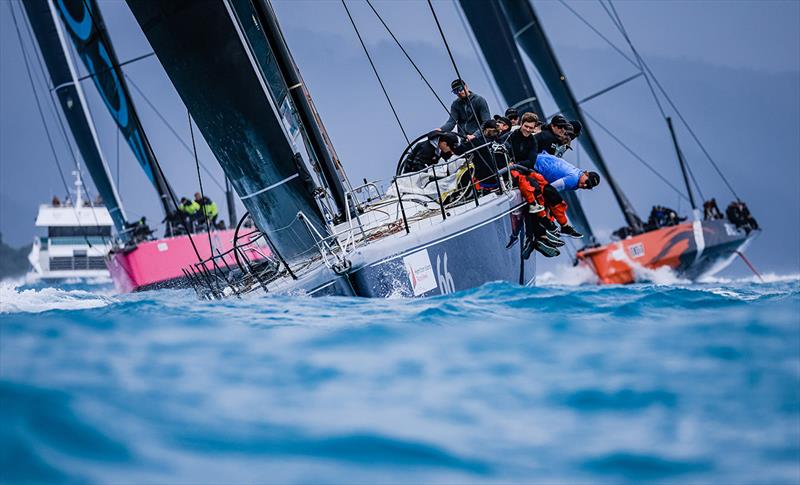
[(73, 104), (204, 51), (532, 39), (499, 48), (88, 32)]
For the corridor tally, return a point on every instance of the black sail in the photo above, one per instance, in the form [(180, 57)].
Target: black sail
[(496, 41), (73, 105), (531, 38), (206, 57), (87, 30)]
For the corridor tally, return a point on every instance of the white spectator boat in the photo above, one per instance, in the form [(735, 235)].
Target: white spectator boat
[(75, 241)]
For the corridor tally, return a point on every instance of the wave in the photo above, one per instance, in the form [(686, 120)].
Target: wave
[(13, 299)]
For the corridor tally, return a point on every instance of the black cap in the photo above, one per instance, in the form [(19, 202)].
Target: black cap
[(577, 126), (593, 180), (559, 121), (502, 119), (489, 124), (512, 113), (458, 83), (450, 138)]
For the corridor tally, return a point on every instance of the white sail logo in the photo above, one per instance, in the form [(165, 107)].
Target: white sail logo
[(446, 284)]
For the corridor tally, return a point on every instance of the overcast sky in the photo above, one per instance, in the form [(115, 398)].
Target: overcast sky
[(732, 68)]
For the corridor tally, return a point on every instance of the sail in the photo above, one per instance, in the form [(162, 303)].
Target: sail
[(86, 28), (203, 51), (73, 105), (531, 38), (259, 25), (496, 41)]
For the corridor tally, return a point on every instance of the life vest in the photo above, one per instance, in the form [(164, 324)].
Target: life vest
[(210, 209), (189, 208)]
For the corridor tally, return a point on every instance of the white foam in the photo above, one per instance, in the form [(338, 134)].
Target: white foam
[(14, 300), (765, 278), (564, 275)]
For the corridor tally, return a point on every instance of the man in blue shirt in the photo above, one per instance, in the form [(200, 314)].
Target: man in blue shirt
[(563, 175)]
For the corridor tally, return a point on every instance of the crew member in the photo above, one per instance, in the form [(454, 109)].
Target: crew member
[(468, 112), (484, 159), (428, 152), (208, 208), (503, 126), (521, 144), (513, 117)]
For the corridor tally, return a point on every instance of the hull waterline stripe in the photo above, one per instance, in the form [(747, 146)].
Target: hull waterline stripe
[(276, 184)]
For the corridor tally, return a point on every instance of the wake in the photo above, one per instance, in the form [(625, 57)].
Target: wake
[(16, 300)]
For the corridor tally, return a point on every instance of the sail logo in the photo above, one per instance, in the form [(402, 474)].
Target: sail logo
[(445, 279)]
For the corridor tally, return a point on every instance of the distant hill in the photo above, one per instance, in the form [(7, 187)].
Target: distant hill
[(13, 262)]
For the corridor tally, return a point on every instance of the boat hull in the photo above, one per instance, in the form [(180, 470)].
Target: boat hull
[(159, 263), (691, 249), (453, 255)]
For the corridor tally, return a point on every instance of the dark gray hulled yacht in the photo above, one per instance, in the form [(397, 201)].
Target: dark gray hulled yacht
[(231, 66)]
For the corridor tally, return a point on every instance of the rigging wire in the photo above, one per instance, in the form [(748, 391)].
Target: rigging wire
[(408, 57), (112, 67), (586, 22), (171, 129), (477, 54), (635, 155), (375, 70), (36, 97), (624, 32), (458, 75), (200, 181), (44, 123)]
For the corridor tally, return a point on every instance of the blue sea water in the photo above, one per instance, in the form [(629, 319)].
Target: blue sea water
[(644, 383)]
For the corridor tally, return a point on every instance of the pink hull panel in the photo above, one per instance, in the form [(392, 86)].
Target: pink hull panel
[(160, 262)]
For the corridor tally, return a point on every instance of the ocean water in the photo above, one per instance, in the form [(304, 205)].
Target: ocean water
[(665, 383)]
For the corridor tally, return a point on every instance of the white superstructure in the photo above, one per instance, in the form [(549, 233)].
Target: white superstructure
[(76, 239)]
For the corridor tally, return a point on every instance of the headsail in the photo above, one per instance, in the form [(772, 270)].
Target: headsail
[(494, 36), (85, 25), (531, 37), (205, 54), (73, 104)]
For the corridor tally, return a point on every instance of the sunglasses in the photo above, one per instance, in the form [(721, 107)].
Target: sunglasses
[(458, 90)]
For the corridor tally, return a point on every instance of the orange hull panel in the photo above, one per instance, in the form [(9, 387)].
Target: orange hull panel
[(675, 247)]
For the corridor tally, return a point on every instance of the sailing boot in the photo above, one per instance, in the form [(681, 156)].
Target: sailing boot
[(569, 231), (528, 248), (512, 240), (551, 232), (552, 240), (544, 248)]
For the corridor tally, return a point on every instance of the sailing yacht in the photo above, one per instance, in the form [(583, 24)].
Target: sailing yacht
[(699, 247), (327, 236), (137, 261)]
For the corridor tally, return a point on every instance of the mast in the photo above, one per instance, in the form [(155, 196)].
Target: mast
[(221, 65), (70, 96), (311, 124), (87, 30), (494, 36), (682, 163), (531, 38)]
